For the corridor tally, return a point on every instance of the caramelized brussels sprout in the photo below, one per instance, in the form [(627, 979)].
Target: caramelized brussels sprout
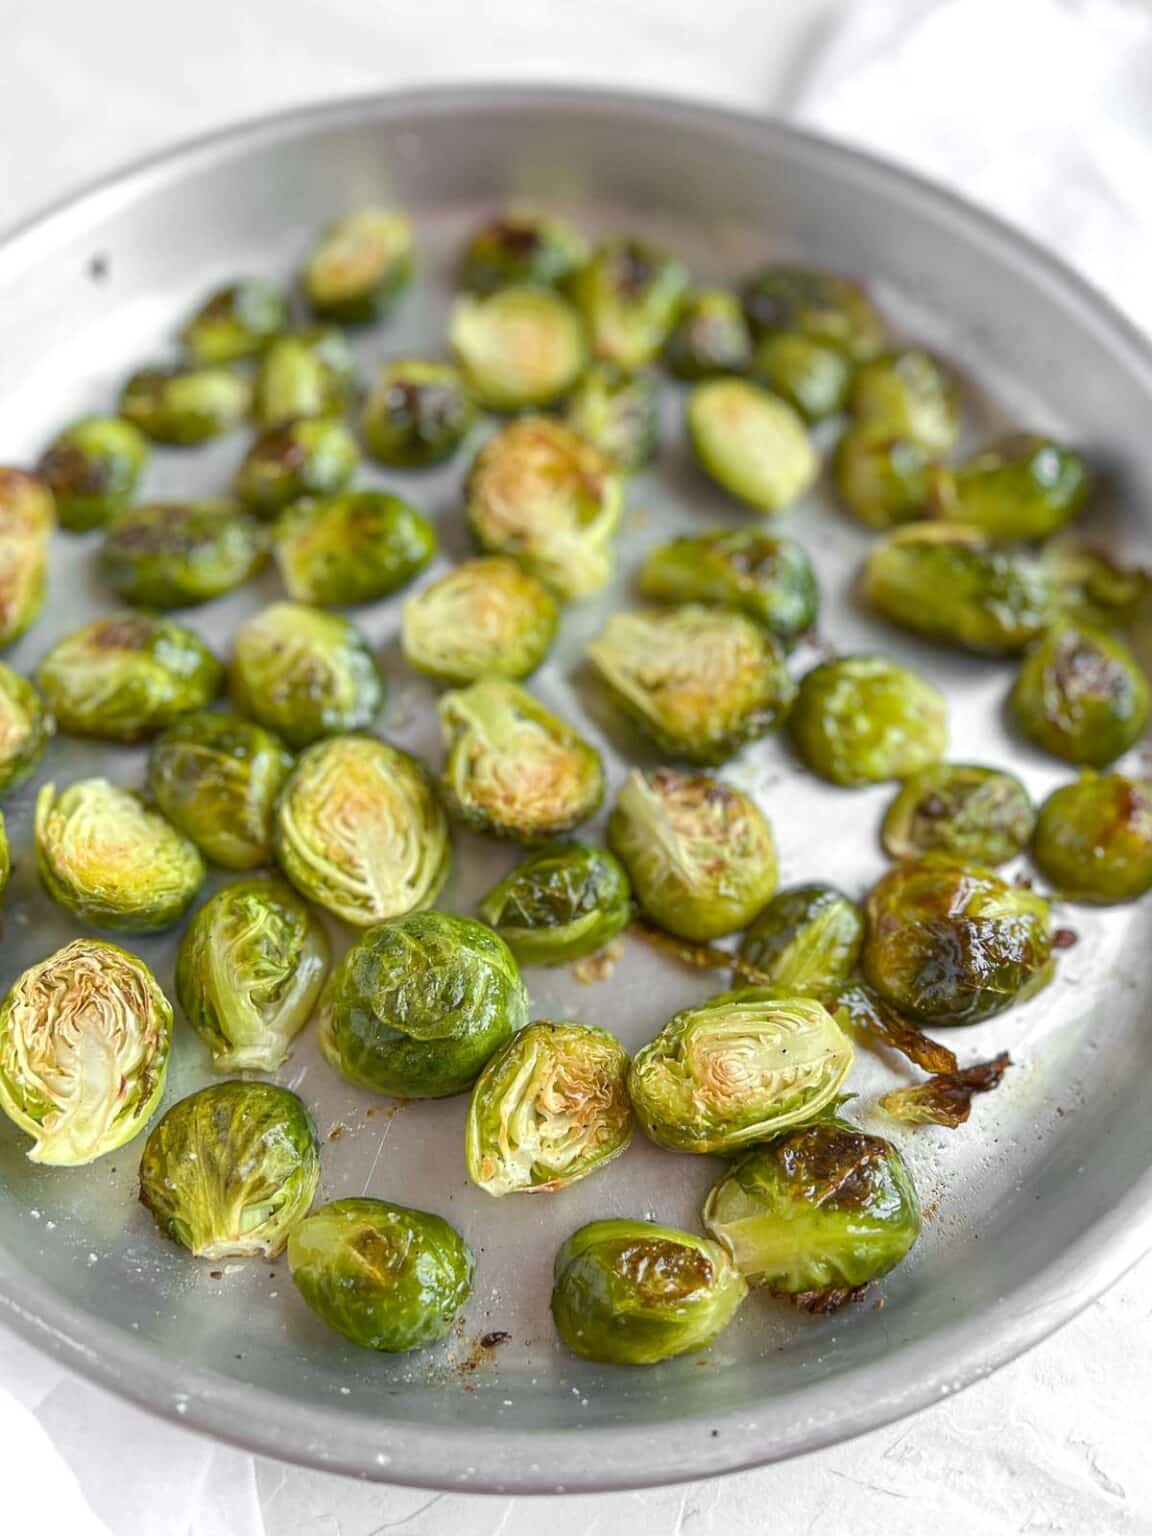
[(807, 940), (310, 457), (84, 1040), (953, 943), (305, 373), (518, 347), (1081, 695), (630, 295), (27, 518), (770, 579), (25, 726), (515, 769), (907, 394), (700, 681), (360, 267), (186, 404), (820, 304), (619, 413), (699, 853), (180, 554), (1024, 487), (751, 443), (863, 719), (384, 1276), (230, 1170), (634, 1293), (238, 320), (978, 814), (486, 618), (418, 414), (710, 338), (343, 551), (559, 904), (521, 248), (360, 832), (93, 469), (884, 479), (1093, 838), (813, 376)]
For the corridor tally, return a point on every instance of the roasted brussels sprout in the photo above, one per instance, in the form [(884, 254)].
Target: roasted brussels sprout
[(230, 1170), (522, 248), (305, 373), (907, 394), (1024, 487), (630, 295), (619, 413), (238, 320), (419, 1004), (699, 853), (820, 304), (700, 681), (1093, 838), (384, 1276), (550, 1108), (813, 376), (710, 338), (634, 1293), (418, 414), (559, 904), (249, 971), (514, 768), (863, 719), (518, 347), (360, 267), (884, 480), (487, 618), (216, 778), (1081, 695), (342, 551), (186, 404), (360, 832), (770, 579), (750, 442), (953, 943), (304, 674), (314, 456), (180, 554), (738, 1069), (817, 1214), (978, 814), (27, 518), (126, 677), (806, 940), (25, 726), (92, 469), (539, 492)]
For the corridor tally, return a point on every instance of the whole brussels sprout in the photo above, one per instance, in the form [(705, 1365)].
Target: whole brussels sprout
[(1024, 487), (699, 853), (186, 404), (634, 1293), (619, 413), (360, 267), (540, 493), (813, 376), (360, 832), (630, 295), (863, 719), (738, 1069), (710, 338), (304, 674), (112, 862), (907, 394), (884, 479), (180, 554), (305, 373), (750, 442), (93, 469), (486, 618), (1081, 695), (953, 943), (819, 304), (770, 579), (817, 1214), (418, 414), (418, 1005), (1093, 838), (518, 347), (550, 1108), (84, 1040), (27, 518), (25, 726), (520, 248), (314, 456), (700, 681), (978, 814), (126, 677), (249, 971), (559, 904), (384, 1276), (342, 551), (230, 1170), (515, 769), (216, 778), (238, 320), (807, 940)]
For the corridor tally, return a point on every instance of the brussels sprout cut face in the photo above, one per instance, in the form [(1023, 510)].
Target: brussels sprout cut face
[(980, 814), (1024, 488), (518, 347), (186, 405), (307, 373), (806, 940), (819, 304), (770, 579), (751, 442), (884, 480), (182, 554), (630, 295), (862, 719), (27, 518), (92, 469), (418, 414), (230, 1170), (907, 394), (310, 457), (550, 1108), (738, 1069), (521, 248), (619, 413), (1093, 839), (25, 727), (236, 321), (351, 549), (384, 1276), (699, 853), (360, 267), (811, 375), (1081, 695), (710, 338), (84, 1040), (559, 904), (634, 1293), (487, 618)]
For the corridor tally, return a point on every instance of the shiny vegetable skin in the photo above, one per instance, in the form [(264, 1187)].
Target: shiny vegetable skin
[(1024, 487), (630, 295), (750, 442), (980, 814), (1081, 695), (619, 413), (313, 456), (518, 348), (819, 304), (418, 1005), (180, 554), (710, 338), (813, 376), (384, 1276), (1093, 838), (522, 247), (343, 551), (417, 415), (93, 469), (303, 374), (237, 321), (769, 578), (485, 618), (27, 519), (907, 394), (361, 265), (863, 719), (884, 479), (25, 728), (187, 404), (560, 903), (806, 941)]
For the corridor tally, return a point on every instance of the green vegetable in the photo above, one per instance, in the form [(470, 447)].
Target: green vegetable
[(1081, 695), (518, 347), (884, 479), (807, 940), (907, 394), (630, 295), (559, 904), (1024, 487), (93, 469), (710, 338), (818, 304), (418, 414), (971, 813), (360, 267), (352, 549), (180, 554), (813, 376), (25, 728), (27, 518), (522, 247), (619, 413), (750, 442), (310, 457), (1093, 838), (863, 719), (769, 578), (486, 618), (236, 321), (186, 404), (305, 373)]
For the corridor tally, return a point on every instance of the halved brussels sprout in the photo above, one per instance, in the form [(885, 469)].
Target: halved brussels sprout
[(751, 443), (1024, 487), (518, 347), (186, 404), (310, 457), (249, 971), (84, 1040), (126, 677), (630, 295), (813, 376), (304, 674), (979, 814), (539, 492), (305, 373), (418, 414), (739, 1068), (25, 726), (699, 853), (817, 1214), (700, 681), (907, 394), (710, 338), (885, 479), (360, 267), (634, 1293), (180, 554), (559, 904), (953, 943), (514, 768), (1093, 838), (1081, 695), (27, 518), (230, 1170), (486, 618), (112, 862), (807, 940), (770, 579), (92, 469), (343, 551), (820, 304), (550, 1108), (619, 413), (522, 247), (384, 1276), (418, 1005), (863, 719), (238, 320), (360, 832)]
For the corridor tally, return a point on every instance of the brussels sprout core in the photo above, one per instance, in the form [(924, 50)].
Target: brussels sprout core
[(360, 267), (863, 719), (27, 518), (486, 618), (559, 904), (25, 727), (770, 579), (1093, 839), (971, 813), (751, 442), (92, 469), (180, 554), (351, 549), (518, 347)]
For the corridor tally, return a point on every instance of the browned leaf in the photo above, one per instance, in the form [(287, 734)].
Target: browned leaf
[(946, 1099), (861, 1010)]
